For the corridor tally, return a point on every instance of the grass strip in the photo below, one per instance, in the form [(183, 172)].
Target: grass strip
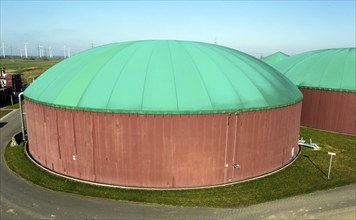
[(4, 112), (14, 106), (306, 175)]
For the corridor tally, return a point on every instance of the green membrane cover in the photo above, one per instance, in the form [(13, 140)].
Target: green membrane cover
[(274, 58), (163, 77), (330, 69)]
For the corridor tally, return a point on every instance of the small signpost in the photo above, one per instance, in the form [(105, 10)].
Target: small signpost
[(331, 159)]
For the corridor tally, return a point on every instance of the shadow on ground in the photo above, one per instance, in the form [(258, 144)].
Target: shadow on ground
[(316, 166), (2, 124)]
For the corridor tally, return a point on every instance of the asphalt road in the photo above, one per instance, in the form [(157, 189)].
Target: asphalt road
[(20, 199)]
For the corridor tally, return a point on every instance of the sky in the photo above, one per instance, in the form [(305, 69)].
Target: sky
[(258, 28)]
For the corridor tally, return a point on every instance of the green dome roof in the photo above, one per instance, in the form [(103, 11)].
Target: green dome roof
[(163, 77), (274, 58), (330, 69)]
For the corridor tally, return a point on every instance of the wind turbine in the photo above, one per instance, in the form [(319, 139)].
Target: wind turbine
[(68, 50), (3, 49), (25, 43), (45, 52), (64, 51), (50, 52), (42, 51), (39, 50)]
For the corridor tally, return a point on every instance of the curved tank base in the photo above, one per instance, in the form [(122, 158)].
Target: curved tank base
[(28, 154)]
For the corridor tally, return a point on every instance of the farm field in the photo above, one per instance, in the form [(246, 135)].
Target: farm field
[(29, 67)]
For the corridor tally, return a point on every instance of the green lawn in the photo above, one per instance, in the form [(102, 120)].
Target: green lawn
[(14, 106), (19, 65), (4, 112), (307, 174), (7, 109)]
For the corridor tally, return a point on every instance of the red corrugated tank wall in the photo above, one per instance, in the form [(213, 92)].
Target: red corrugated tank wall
[(329, 110), (167, 151)]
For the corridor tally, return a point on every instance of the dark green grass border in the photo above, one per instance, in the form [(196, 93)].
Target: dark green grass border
[(3, 113), (305, 175), (7, 109)]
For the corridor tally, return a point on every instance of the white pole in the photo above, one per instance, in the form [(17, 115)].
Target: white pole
[(331, 159), (25, 50), (68, 52)]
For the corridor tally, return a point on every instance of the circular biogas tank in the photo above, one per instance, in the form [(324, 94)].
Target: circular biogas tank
[(327, 79), (162, 114)]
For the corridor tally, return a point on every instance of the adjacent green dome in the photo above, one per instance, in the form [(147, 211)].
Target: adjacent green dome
[(274, 58), (162, 77), (330, 69)]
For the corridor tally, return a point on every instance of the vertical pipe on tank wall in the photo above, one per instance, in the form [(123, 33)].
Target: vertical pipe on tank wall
[(22, 120), (233, 153), (226, 143)]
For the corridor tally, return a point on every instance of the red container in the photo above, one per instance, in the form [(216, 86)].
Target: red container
[(14, 81)]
